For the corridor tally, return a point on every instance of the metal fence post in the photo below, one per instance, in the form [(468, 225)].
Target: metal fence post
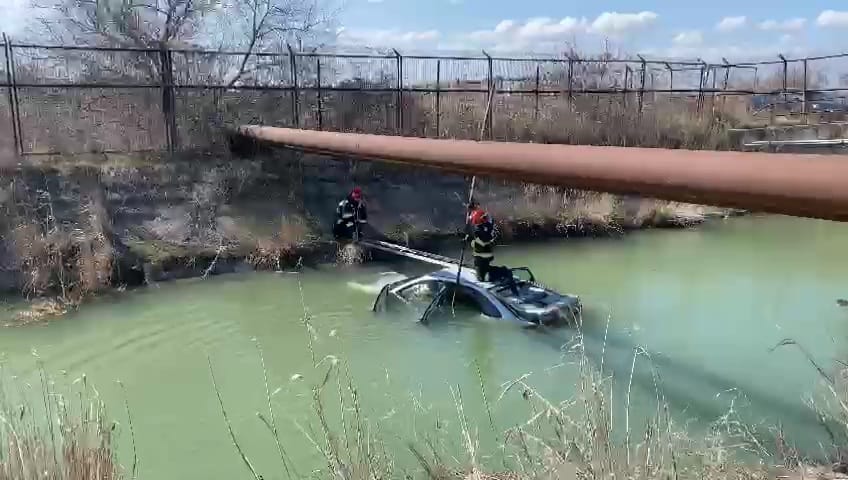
[(626, 79), (571, 81), (538, 81), (670, 79), (7, 49), (295, 93), (701, 82), (804, 95), (642, 84), (785, 79), (438, 98), (399, 102), (168, 101), (320, 94), (17, 99), (727, 68), (490, 88), (714, 69)]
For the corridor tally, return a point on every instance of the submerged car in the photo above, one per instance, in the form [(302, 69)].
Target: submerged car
[(528, 303)]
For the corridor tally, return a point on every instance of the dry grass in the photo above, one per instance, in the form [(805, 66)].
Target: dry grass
[(48, 436), (65, 263)]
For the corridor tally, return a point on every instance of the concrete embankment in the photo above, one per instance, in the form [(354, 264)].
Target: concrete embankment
[(90, 222)]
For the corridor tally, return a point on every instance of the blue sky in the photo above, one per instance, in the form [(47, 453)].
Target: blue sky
[(753, 28), (737, 29)]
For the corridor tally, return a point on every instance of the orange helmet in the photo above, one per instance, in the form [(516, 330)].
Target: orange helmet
[(478, 217)]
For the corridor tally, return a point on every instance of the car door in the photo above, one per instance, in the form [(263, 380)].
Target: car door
[(467, 301)]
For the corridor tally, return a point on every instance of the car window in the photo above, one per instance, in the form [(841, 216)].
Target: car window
[(421, 292), (476, 300)]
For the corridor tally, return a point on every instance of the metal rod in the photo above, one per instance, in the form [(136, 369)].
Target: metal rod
[(304, 88), (12, 107), (804, 143), (626, 78), (570, 80), (361, 55), (801, 185)]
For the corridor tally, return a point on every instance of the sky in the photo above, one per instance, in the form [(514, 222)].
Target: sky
[(668, 28), (738, 30)]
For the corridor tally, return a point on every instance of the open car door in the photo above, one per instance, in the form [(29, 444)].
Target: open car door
[(441, 300), (417, 300)]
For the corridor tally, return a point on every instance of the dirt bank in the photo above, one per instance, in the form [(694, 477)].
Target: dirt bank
[(72, 226)]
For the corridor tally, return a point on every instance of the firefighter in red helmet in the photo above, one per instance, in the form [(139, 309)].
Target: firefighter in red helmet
[(482, 237), (351, 217)]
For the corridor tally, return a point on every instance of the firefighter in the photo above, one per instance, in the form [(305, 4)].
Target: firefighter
[(351, 217), (482, 239)]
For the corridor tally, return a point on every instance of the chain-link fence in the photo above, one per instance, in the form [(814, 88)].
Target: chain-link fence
[(68, 99)]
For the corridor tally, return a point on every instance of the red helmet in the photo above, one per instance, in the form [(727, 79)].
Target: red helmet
[(478, 217), (356, 193)]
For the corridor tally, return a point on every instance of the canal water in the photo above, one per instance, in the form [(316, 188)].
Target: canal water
[(708, 305)]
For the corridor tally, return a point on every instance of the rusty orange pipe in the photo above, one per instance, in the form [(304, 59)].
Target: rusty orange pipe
[(800, 185)]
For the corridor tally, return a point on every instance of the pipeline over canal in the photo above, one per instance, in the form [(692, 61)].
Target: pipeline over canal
[(803, 185)]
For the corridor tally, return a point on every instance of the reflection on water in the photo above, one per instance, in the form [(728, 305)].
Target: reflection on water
[(706, 305)]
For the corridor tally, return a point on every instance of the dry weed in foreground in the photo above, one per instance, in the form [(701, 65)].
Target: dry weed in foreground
[(54, 437)]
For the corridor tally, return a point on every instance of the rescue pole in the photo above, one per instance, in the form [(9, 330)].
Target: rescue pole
[(471, 197)]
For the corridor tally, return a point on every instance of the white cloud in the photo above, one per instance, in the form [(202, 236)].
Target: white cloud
[(689, 38), (535, 33), (616, 24), (375, 1), (790, 25), (832, 18), (728, 24), (388, 38)]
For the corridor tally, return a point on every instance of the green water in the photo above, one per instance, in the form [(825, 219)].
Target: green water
[(707, 303)]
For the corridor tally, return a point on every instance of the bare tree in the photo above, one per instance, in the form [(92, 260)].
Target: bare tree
[(271, 24), (130, 23), (153, 23)]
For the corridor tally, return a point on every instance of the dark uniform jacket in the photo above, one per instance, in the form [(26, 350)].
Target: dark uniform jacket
[(350, 216), (483, 240)]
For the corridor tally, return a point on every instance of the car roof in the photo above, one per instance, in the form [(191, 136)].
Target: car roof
[(449, 273)]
